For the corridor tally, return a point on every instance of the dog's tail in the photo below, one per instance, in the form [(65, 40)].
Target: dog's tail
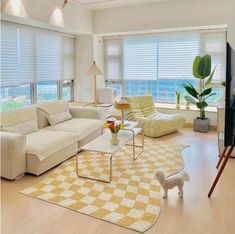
[(185, 176)]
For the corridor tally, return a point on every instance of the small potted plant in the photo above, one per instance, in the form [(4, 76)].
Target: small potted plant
[(114, 128), (177, 94), (202, 72), (187, 105)]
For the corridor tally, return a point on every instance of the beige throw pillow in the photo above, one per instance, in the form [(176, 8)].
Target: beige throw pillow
[(59, 118), (23, 128)]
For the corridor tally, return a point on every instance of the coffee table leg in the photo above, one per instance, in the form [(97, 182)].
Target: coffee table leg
[(133, 144), (142, 133), (90, 178), (137, 146)]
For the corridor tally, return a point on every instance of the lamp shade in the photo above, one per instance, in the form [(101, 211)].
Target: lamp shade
[(94, 70)]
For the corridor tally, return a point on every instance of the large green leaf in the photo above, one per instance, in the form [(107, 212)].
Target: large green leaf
[(206, 92), (195, 67), (193, 87), (212, 94), (210, 77), (191, 90), (204, 67), (190, 99), (201, 105)]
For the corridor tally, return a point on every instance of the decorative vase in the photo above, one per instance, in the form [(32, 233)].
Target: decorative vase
[(177, 106), (114, 140)]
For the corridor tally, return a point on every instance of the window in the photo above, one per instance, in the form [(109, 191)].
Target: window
[(160, 64), (67, 90), (47, 91), (15, 97), (117, 85), (34, 63)]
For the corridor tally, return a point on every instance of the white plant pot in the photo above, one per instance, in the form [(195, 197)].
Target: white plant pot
[(201, 125)]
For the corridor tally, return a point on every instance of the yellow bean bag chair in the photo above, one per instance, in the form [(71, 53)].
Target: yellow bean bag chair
[(154, 124)]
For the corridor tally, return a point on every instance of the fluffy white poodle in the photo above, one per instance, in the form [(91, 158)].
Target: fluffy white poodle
[(172, 181)]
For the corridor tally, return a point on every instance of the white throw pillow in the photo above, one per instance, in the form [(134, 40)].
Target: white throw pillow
[(59, 118), (23, 128)]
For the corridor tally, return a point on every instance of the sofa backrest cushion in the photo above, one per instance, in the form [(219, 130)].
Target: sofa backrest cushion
[(134, 111), (18, 116), (59, 118), (50, 108)]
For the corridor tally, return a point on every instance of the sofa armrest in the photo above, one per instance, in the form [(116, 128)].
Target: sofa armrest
[(13, 155), (85, 112)]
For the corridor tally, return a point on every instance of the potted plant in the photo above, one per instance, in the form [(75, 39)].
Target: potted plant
[(177, 94), (202, 72)]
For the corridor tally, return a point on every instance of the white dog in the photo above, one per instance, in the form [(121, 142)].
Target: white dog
[(172, 181)]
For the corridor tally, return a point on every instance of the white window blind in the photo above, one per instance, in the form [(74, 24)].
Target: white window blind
[(215, 45), (26, 56), (9, 55), (169, 56), (140, 58), (30, 55), (176, 56), (113, 59), (48, 56)]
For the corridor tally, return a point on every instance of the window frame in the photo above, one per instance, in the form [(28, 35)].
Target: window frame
[(60, 85), (67, 83), (65, 40), (123, 81)]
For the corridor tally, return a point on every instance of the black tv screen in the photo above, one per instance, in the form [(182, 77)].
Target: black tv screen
[(229, 133)]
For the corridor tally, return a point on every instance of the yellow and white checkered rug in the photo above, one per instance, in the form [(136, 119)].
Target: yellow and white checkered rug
[(131, 200)]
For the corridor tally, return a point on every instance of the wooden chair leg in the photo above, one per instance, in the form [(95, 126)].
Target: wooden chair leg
[(220, 170), (221, 157)]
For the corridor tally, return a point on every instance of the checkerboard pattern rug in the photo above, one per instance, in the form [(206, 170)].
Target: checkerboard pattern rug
[(131, 200)]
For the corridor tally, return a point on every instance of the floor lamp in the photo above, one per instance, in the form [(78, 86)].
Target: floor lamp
[(94, 71)]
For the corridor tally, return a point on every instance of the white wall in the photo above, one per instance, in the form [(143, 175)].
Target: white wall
[(169, 14), (190, 115), (76, 18), (89, 48), (84, 57)]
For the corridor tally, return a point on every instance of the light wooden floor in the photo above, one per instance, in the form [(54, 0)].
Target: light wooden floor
[(195, 214)]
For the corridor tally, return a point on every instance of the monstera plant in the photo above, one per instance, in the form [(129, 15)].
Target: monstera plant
[(202, 72)]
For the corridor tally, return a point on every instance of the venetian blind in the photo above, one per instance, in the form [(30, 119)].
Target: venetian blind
[(163, 56), (31, 55)]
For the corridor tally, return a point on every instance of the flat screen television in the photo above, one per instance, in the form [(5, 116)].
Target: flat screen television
[(229, 133)]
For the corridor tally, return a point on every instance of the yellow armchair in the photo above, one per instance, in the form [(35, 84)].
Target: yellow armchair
[(154, 124)]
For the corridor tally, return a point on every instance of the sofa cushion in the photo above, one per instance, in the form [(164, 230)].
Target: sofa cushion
[(50, 108), (23, 128), (44, 143), (80, 126), (13, 117), (59, 118)]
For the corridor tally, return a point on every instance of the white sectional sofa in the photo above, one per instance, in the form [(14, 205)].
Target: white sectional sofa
[(38, 138)]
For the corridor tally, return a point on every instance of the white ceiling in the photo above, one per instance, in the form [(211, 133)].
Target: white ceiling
[(103, 4)]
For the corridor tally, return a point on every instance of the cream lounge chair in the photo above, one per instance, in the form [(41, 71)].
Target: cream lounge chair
[(154, 124)]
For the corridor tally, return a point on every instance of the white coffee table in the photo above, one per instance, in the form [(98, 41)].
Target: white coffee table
[(102, 145)]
